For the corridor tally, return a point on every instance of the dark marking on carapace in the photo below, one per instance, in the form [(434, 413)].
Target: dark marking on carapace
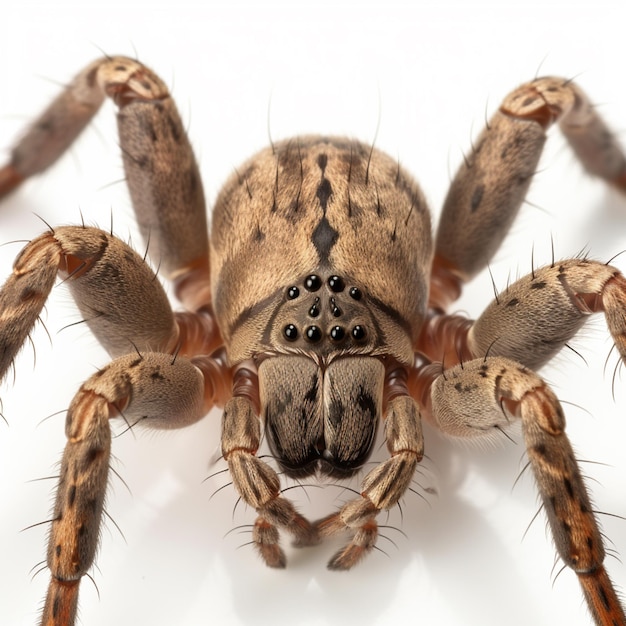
[(258, 235), (322, 161), (394, 314), (324, 237), (324, 193)]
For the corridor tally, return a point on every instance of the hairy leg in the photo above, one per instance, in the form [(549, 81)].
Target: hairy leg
[(161, 170), (483, 397), (491, 185)]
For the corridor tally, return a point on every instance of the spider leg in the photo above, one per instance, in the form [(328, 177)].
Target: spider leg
[(117, 293), (490, 186), (482, 397), (152, 390), (534, 317), (161, 170), (524, 327)]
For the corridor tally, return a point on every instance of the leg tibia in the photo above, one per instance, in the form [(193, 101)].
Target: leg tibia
[(534, 317)]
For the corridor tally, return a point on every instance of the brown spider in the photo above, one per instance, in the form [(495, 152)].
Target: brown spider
[(317, 310)]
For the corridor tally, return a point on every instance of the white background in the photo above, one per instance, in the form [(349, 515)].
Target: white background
[(426, 73)]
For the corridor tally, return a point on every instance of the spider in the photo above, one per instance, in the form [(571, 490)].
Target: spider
[(317, 310)]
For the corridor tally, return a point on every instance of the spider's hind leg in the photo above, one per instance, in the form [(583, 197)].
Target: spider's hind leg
[(491, 185), (161, 170)]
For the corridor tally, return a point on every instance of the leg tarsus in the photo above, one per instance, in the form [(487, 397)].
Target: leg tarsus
[(266, 540), (602, 600), (61, 603)]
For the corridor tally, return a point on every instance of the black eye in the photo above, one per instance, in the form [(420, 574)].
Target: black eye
[(312, 282), (336, 284), (313, 333), (336, 311), (314, 311), (293, 293), (290, 332), (337, 333), (358, 332), (355, 293)]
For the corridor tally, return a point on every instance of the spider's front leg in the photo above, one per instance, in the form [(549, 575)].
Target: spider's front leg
[(491, 185), (478, 397), (161, 171), (153, 389)]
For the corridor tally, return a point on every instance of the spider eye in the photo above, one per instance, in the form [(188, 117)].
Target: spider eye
[(312, 282), (358, 332), (336, 284), (290, 332)]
